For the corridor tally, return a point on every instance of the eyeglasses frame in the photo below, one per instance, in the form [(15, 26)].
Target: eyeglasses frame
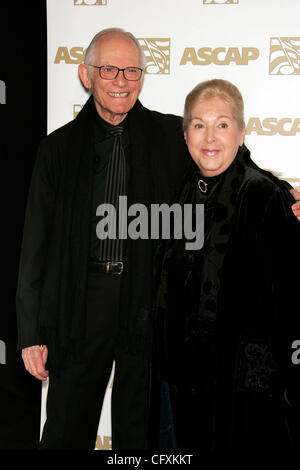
[(99, 67)]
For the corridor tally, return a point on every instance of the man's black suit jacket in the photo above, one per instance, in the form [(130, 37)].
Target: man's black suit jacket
[(51, 290)]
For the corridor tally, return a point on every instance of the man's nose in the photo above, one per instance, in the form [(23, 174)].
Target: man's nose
[(120, 78)]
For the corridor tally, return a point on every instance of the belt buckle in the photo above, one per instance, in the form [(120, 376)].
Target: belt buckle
[(114, 267)]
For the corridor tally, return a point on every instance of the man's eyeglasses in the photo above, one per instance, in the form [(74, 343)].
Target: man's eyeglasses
[(110, 72)]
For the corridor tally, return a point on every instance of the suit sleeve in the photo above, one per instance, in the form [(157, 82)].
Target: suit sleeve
[(37, 227)]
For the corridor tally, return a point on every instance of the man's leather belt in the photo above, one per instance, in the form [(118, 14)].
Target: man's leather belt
[(107, 267)]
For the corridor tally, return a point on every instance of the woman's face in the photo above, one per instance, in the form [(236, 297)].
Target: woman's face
[(213, 136)]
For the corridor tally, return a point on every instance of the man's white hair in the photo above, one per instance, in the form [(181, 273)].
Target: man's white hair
[(89, 55)]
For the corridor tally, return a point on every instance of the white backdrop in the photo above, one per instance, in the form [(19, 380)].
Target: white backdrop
[(253, 43)]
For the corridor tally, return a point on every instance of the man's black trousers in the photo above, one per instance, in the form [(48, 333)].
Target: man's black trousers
[(75, 395)]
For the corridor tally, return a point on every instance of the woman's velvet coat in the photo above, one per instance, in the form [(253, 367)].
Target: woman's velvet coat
[(232, 381)]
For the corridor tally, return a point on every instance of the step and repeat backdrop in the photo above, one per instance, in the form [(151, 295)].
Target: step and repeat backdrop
[(253, 43)]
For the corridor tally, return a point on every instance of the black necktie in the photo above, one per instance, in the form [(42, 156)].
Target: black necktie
[(112, 249)]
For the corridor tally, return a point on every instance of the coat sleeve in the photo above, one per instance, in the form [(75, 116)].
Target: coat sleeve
[(281, 231), (37, 227)]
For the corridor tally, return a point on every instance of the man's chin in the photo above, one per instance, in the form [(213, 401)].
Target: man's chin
[(113, 116)]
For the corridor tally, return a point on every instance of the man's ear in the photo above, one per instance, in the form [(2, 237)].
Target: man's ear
[(84, 75), (141, 83)]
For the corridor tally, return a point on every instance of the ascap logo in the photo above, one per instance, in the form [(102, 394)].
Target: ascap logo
[(76, 109), (157, 53), (90, 2), (74, 56), (220, 2), (271, 126), (2, 352), (2, 92), (219, 55), (284, 56), (103, 444)]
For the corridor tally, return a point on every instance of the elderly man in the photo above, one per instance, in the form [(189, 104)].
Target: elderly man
[(84, 300)]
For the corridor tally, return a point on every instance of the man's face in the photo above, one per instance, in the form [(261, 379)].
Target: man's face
[(113, 98)]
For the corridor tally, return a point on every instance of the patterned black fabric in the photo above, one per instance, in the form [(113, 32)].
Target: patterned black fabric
[(111, 249)]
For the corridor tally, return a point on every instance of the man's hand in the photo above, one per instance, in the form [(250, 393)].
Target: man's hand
[(35, 358), (296, 206)]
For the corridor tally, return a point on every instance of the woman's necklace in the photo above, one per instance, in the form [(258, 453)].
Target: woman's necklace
[(202, 186)]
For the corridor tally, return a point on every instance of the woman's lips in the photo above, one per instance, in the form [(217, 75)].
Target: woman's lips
[(210, 152)]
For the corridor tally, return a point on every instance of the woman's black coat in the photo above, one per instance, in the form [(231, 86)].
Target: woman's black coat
[(233, 381)]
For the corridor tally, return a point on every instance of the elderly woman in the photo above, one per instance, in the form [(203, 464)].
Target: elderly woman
[(228, 311)]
